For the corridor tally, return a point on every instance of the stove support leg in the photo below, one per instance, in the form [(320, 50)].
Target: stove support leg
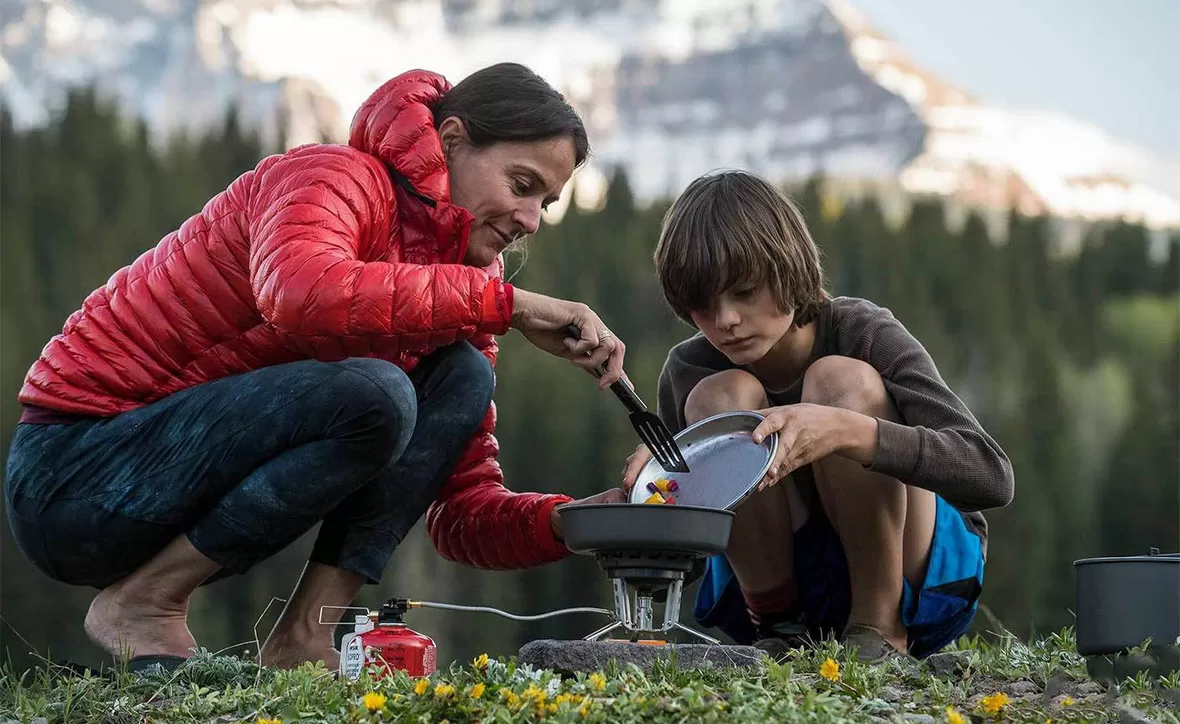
[(623, 603), (696, 633), (672, 605), (603, 631)]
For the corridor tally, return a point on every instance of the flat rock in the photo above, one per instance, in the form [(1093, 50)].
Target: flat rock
[(948, 663), (572, 656), (1022, 688)]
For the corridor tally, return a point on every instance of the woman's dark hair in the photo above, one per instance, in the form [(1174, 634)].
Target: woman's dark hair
[(509, 102)]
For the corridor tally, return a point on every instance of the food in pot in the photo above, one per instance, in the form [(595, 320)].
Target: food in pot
[(654, 498)]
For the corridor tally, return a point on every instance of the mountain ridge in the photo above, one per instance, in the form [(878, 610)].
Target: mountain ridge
[(669, 89)]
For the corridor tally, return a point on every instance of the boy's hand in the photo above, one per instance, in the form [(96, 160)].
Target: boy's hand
[(808, 433), (635, 463)]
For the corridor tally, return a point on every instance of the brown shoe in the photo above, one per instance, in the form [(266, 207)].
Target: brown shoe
[(872, 647), (778, 640)]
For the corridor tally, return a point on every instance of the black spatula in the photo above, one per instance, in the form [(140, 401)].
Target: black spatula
[(651, 429)]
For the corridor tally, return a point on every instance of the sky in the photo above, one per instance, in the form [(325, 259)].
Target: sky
[(1113, 63)]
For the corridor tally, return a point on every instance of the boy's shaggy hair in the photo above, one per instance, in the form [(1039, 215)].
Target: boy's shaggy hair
[(734, 227)]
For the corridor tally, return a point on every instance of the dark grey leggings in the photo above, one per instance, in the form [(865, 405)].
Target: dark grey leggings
[(244, 465)]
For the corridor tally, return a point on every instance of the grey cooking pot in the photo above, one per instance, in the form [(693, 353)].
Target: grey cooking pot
[(608, 527), (1124, 601)]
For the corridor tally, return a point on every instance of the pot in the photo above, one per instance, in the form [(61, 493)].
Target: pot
[(627, 527), (1124, 601)]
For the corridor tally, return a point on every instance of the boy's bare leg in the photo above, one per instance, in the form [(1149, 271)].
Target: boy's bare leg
[(760, 542), (885, 526), (146, 613), (298, 636)]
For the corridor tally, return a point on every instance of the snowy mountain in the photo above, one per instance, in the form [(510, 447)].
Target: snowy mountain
[(669, 88)]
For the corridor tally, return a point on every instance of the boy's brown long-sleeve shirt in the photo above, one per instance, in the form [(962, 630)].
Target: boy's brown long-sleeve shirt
[(940, 446)]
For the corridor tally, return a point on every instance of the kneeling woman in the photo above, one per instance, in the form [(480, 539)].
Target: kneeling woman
[(316, 345)]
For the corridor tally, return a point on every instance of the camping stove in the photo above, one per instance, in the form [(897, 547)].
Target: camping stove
[(646, 550), (640, 578)]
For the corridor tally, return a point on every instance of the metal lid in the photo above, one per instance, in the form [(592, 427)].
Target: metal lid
[(1153, 558), (726, 463)]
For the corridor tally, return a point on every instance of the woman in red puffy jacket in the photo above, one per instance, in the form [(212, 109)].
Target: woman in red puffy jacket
[(315, 346)]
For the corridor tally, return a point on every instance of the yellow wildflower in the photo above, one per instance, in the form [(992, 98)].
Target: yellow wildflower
[(953, 716), (373, 701), (584, 709), (563, 699), (551, 708), (511, 699), (479, 663), (263, 720), (442, 691), (477, 691), (1067, 701), (830, 670), (993, 703), (535, 695), (597, 682), (422, 686)]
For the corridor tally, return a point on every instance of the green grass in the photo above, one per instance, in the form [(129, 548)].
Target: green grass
[(1045, 680)]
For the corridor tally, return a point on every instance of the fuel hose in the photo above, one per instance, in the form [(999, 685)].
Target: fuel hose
[(505, 614)]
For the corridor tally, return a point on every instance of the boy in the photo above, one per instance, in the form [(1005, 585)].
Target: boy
[(875, 533)]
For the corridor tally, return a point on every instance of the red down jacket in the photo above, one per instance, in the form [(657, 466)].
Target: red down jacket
[(315, 253)]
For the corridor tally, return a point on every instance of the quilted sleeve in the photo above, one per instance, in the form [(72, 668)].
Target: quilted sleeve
[(310, 216), (477, 521)]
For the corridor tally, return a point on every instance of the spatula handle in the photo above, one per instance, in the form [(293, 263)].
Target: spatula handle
[(621, 389)]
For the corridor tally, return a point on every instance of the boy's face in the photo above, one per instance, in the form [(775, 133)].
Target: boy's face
[(744, 322)]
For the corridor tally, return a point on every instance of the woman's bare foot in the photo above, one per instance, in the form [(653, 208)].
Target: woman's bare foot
[(289, 652), (304, 630), (127, 622), (145, 614)]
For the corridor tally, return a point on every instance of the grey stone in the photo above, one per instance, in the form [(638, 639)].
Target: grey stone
[(1171, 697), (948, 663), (567, 657), (892, 694), (919, 718), (1021, 688), (1056, 685), (1131, 715), (1086, 688)]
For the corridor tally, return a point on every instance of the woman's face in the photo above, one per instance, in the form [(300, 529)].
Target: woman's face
[(505, 186)]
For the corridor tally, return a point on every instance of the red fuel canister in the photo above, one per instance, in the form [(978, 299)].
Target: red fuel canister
[(384, 640)]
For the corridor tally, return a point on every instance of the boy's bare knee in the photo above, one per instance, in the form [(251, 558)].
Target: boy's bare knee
[(848, 383), (727, 391)]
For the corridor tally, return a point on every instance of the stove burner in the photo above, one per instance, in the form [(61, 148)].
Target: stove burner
[(637, 576)]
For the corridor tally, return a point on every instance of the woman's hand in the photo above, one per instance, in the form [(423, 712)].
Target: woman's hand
[(543, 321), (635, 463), (614, 495), (807, 433)]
